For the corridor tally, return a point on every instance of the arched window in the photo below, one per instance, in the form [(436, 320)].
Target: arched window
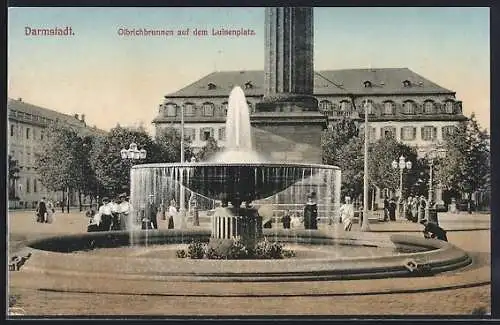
[(208, 109), (170, 109), (325, 106), (367, 84), (409, 107), (345, 106), (428, 107), (388, 108), (189, 109), (448, 106), (368, 105)]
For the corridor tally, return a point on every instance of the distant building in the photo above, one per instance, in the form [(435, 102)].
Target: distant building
[(400, 103), (26, 125)]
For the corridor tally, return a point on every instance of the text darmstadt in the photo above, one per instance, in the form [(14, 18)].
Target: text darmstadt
[(55, 31)]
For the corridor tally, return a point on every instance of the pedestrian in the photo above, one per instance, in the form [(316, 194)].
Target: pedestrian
[(414, 209), (50, 211), (124, 211), (115, 213), (151, 215), (347, 213), (310, 213), (172, 214), (421, 208), (296, 221), (41, 211), (386, 209), (432, 230), (104, 215), (286, 219), (392, 209)]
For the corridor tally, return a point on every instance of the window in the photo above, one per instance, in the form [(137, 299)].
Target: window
[(28, 133), (369, 107), (189, 109), (34, 186), (248, 85), (28, 158), (224, 108), (345, 106), (41, 135), (367, 84), (388, 132), (428, 133), (170, 109), (208, 109), (12, 130), (28, 187), (406, 83), (190, 133), (449, 107), (448, 131), (409, 107), (428, 107), (373, 134), (249, 106), (325, 105), (211, 86), (388, 108), (408, 133), (206, 133), (222, 134)]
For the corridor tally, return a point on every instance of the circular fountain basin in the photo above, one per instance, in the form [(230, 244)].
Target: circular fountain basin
[(373, 256)]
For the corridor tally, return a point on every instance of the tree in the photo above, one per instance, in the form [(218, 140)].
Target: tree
[(334, 138), (466, 166), (350, 161), (169, 140), (208, 151), (57, 160), (13, 177), (105, 159)]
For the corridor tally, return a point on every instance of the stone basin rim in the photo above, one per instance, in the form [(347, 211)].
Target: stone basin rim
[(235, 164)]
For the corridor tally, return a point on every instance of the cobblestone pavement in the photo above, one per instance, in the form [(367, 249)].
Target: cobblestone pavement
[(461, 301)]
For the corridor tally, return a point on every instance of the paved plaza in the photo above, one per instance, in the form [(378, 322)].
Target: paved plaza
[(461, 292)]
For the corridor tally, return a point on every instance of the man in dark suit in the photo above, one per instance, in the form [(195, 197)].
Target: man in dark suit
[(432, 230)]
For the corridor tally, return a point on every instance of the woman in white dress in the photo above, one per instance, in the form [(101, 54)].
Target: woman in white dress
[(50, 212), (347, 213)]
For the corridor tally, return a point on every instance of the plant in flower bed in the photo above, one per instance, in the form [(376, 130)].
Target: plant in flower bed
[(263, 250)]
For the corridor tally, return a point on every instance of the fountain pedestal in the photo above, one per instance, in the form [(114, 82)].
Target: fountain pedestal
[(235, 222)]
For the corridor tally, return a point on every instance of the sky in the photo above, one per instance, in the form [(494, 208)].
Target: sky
[(113, 78)]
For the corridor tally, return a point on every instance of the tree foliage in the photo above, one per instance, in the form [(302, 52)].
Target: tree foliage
[(334, 138), (57, 160), (466, 166), (209, 150), (169, 140), (110, 169), (13, 176)]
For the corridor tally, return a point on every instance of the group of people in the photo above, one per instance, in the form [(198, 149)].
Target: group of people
[(413, 207), (112, 214), (45, 211)]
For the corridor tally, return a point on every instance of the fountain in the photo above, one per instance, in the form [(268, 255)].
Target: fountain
[(241, 181), (236, 177)]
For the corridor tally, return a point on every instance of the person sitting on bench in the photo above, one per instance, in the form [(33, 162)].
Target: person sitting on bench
[(432, 230)]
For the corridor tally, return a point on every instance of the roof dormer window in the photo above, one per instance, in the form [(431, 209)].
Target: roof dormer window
[(248, 85), (367, 84), (407, 83), (211, 86)]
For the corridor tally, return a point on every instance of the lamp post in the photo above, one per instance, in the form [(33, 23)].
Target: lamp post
[(181, 194), (364, 223), (431, 155), (401, 165)]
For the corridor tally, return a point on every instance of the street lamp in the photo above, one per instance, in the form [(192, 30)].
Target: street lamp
[(401, 165), (181, 194), (132, 153), (364, 222), (431, 155)]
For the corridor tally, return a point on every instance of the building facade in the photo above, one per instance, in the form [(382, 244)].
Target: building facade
[(400, 103), (26, 125)]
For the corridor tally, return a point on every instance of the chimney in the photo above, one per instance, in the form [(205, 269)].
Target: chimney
[(76, 116), (82, 118), (20, 99)]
